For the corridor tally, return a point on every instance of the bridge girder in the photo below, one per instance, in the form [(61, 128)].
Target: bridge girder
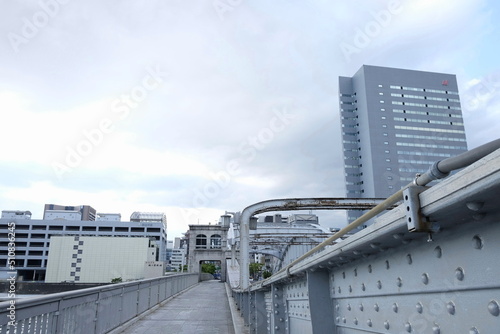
[(292, 204)]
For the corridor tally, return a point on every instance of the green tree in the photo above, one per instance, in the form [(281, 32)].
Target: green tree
[(116, 280), (255, 268), (208, 268), (266, 274)]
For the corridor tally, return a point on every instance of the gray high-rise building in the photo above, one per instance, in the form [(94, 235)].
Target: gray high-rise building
[(395, 124)]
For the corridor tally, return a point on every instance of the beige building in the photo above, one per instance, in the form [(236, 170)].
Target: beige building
[(100, 259)]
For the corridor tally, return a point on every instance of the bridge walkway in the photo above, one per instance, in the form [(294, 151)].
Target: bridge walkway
[(204, 308)]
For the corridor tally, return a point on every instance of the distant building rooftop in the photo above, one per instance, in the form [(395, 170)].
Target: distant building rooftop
[(17, 214), (148, 217)]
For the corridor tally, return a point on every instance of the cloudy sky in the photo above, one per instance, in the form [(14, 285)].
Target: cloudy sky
[(196, 107)]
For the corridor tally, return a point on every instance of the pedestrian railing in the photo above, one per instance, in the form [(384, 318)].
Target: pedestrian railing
[(88, 311)]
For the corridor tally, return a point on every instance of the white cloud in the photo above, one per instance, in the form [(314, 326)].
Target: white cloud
[(224, 79)]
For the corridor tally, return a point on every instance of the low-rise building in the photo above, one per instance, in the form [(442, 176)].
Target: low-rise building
[(33, 237), (86, 259), (178, 259)]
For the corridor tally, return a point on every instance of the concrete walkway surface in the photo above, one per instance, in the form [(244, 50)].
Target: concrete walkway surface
[(203, 308)]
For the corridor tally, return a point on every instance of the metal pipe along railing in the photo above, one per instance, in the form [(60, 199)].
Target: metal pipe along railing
[(438, 170)]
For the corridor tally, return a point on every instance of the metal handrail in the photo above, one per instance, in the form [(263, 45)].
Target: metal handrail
[(88, 310)]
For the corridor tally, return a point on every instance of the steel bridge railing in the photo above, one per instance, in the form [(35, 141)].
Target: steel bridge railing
[(92, 310)]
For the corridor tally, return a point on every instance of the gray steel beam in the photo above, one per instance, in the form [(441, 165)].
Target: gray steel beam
[(320, 303), (278, 317), (260, 316)]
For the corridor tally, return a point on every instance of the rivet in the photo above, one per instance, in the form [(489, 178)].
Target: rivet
[(395, 307), (363, 286), (344, 320), (494, 308), (387, 266), (425, 278), (355, 272), (369, 322), (478, 216), (361, 307), (420, 307), (436, 329), (337, 319), (398, 236), (348, 307), (339, 289), (379, 284), (386, 324), (451, 308), (375, 245), (477, 242), (474, 206), (355, 321), (375, 307), (473, 330), (408, 327), (337, 307), (459, 274), (350, 288), (438, 252), (399, 282), (343, 275), (369, 268), (409, 259)]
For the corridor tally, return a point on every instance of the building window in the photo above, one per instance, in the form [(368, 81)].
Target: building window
[(201, 241), (215, 241)]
